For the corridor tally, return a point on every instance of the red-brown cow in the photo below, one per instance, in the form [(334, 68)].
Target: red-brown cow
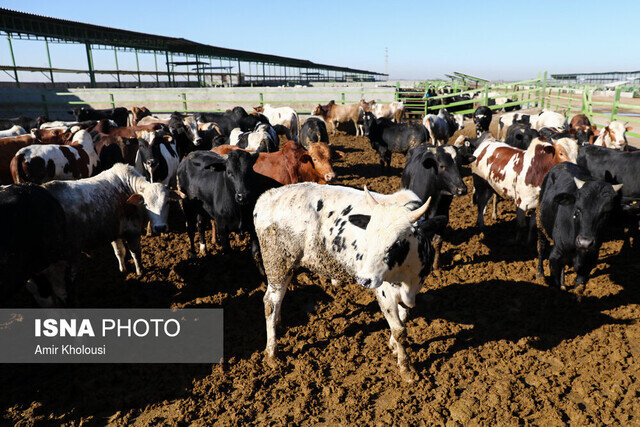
[(292, 164), (106, 138), (52, 136), (8, 148)]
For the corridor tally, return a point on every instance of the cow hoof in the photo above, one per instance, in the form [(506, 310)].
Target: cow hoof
[(408, 373), (540, 276)]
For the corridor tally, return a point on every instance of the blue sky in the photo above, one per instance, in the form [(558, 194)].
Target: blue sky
[(508, 40)]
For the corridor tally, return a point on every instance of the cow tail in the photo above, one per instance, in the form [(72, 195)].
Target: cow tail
[(17, 169), (428, 127)]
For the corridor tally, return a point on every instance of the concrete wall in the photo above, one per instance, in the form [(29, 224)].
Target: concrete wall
[(15, 102)]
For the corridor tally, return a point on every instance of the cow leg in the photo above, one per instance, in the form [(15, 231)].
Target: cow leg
[(255, 252), (133, 245), (214, 239), (387, 159), (121, 252), (556, 266), (521, 224), (223, 238), (391, 312), (437, 248), (191, 219), (542, 249), (203, 237), (355, 125), (335, 127), (494, 212), (272, 304), (482, 193)]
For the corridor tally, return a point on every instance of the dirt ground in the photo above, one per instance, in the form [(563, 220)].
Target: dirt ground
[(490, 343)]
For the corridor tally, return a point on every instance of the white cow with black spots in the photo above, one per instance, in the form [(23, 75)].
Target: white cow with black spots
[(342, 233)]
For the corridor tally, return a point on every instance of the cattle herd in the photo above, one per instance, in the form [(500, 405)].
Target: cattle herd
[(108, 177)]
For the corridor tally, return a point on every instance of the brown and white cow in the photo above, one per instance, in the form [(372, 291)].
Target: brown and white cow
[(336, 114), (121, 139), (285, 116), (136, 114), (42, 163), (392, 111), (613, 136), (8, 148), (52, 136), (516, 174)]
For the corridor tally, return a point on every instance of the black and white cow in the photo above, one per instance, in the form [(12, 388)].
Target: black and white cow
[(223, 189), (482, 119), (33, 243), (313, 130), (441, 127), (184, 130), (381, 241), (157, 159), (113, 207), (120, 115), (572, 213), (508, 119), (263, 139), (27, 123), (434, 173), (388, 137)]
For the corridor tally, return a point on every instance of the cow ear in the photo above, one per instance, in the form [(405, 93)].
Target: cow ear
[(136, 199), (628, 128), (430, 162), (617, 187), (360, 220), (305, 158), (176, 195), (336, 154), (564, 199)]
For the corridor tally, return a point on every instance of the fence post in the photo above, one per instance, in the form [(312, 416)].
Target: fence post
[(486, 95), (184, 102), (113, 104), (616, 101), (397, 90), (44, 104), (583, 110), (342, 98), (543, 91), (261, 99)]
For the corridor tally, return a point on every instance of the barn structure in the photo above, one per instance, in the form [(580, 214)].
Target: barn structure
[(178, 62)]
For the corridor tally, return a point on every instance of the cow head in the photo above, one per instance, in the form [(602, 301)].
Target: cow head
[(565, 150), (259, 109), (320, 156), (590, 207), (149, 150), (394, 240), (319, 110), (238, 169), (615, 135), (138, 113), (369, 124), (191, 126), (443, 161), (155, 198)]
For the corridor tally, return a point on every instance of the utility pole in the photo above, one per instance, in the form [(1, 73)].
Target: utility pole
[(386, 61)]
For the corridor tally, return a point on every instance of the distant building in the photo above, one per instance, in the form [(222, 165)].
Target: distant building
[(609, 77)]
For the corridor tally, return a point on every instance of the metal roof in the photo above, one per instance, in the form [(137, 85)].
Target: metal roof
[(56, 29)]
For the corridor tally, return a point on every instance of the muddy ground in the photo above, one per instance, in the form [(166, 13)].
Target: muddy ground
[(490, 343)]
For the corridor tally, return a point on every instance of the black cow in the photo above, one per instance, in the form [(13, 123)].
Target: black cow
[(27, 123), (118, 114), (574, 208), (223, 189), (33, 244), (157, 158), (388, 137), (552, 135), (434, 172), (482, 119), (617, 167), (313, 130), (235, 118), (184, 130), (520, 135)]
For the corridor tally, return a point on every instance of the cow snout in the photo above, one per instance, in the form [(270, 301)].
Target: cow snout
[(152, 163), (329, 176), (583, 242), (368, 283), (241, 198), (159, 229), (197, 141), (462, 190)]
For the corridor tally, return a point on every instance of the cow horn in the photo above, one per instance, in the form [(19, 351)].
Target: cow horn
[(370, 200), (416, 214), (579, 182)]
